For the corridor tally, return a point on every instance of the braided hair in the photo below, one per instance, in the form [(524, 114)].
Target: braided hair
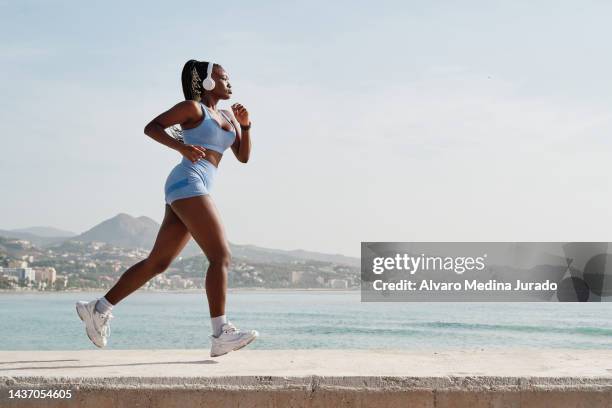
[(191, 79)]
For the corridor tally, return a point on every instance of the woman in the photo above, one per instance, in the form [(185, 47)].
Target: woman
[(190, 211)]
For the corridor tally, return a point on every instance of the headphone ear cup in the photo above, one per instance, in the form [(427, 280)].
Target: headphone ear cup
[(208, 84)]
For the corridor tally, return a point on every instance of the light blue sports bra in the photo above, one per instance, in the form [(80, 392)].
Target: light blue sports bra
[(210, 134)]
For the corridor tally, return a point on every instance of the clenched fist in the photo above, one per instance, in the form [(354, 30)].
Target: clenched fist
[(241, 114)]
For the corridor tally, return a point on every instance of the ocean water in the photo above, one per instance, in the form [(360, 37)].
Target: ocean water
[(305, 320)]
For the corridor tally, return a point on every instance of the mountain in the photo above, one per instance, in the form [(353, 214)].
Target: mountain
[(34, 239), (256, 253), (123, 230), (46, 232), (336, 258), (130, 232), (126, 231)]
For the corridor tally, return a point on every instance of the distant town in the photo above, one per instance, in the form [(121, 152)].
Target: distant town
[(96, 265)]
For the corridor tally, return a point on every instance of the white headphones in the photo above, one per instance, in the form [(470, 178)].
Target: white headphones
[(208, 83)]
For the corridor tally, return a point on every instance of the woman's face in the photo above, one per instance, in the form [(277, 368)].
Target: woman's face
[(223, 89)]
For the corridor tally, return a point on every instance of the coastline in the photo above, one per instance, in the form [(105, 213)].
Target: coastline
[(229, 290)]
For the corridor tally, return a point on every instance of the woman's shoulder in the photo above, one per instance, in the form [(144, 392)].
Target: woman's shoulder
[(191, 112), (189, 108), (189, 103)]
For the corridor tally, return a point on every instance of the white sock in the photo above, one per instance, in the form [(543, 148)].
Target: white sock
[(217, 323), (103, 306)]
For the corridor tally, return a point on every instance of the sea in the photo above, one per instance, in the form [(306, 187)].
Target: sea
[(305, 319)]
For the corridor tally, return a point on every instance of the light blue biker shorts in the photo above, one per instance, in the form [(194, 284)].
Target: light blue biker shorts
[(188, 179)]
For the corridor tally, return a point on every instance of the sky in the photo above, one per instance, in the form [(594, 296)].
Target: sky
[(405, 121)]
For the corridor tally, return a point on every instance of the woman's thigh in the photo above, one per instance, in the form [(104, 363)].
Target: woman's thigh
[(172, 237), (199, 214)]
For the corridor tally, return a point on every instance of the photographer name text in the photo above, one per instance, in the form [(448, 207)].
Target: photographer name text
[(466, 285)]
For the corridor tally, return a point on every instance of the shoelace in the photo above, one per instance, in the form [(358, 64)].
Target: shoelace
[(231, 329), (105, 324)]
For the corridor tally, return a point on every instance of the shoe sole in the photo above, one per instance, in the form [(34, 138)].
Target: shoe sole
[(239, 347), (80, 310)]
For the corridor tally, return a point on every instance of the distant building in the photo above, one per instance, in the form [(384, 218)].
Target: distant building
[(18, 243), (177, 282), (17, 263), (45, 274), (338, 283), (20, 273), (10, 281), (96, 245), (61, 281), (296, 276)]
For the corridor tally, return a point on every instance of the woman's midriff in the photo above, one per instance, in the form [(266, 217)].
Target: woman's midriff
[(213, 157)]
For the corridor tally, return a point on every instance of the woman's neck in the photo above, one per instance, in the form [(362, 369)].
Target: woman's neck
[(210, 102)]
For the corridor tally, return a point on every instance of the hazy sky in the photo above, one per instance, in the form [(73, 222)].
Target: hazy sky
[(404, 121)]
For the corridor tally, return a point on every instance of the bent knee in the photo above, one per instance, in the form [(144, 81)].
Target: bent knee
[(223, 259), (158, 265)]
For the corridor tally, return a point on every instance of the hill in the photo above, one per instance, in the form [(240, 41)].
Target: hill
[(126, 231)]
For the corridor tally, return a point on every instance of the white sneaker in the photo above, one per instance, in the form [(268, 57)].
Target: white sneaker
[(97, 325), (231, 339)]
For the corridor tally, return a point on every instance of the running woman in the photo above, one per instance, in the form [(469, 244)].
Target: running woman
[(189, 211)]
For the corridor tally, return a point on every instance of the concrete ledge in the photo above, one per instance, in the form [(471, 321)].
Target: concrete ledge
[(312, 378)]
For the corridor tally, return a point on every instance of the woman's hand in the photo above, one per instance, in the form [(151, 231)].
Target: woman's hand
[(241, 114), (193, 152)]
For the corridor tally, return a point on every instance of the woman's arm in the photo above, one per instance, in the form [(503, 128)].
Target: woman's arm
[(182, 113), (242, 145)]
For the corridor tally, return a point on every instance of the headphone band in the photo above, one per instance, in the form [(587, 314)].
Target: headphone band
[(209, 69)]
